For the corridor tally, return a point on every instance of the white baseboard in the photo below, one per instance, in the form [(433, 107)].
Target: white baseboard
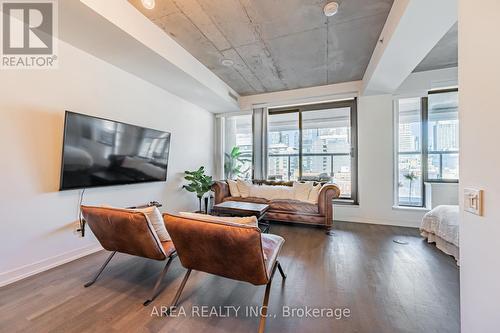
[(46, 264), (396, 223)]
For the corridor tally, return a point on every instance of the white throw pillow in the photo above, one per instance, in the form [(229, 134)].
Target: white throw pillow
[(260, 191), (272, 192), (250, 220), (233, 188), (154, 216), (302, 190), (283, 193), (243, 188), (314, 194)]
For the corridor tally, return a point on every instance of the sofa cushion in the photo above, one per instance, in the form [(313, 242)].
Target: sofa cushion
[(282, 205), (302, 190), (294, 206), (233, 188), (247, 199), (314, 194), (243, 188), (272, 192)]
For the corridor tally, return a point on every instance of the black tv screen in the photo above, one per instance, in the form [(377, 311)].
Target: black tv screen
[(101, 152)]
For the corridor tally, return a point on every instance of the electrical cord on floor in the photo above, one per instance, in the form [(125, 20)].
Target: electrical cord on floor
[(80, 216)]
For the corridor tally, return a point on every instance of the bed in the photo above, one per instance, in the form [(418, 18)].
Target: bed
[(440, 226)]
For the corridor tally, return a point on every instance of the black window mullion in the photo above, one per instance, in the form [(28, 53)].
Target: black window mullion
[(300, 145), (425, 144), (354, 151)]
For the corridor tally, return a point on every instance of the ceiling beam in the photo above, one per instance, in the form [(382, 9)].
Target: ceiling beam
[(116, 32), (412, 29)]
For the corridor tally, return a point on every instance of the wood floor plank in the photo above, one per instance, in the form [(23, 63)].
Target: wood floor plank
[(387, 287)]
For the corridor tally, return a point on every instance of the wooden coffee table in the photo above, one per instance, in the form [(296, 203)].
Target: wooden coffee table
[(236, 208)]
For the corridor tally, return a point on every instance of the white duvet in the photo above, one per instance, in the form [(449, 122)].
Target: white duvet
[(442, 221)]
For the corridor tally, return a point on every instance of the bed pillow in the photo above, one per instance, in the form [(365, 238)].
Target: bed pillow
[(314, 194), (233, 188), (250, 220), (243, 188), (302, 190)]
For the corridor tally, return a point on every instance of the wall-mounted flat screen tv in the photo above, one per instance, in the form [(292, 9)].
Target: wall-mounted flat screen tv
[(102, 152)]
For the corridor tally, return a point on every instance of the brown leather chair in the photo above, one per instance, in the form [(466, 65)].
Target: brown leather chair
[(235, 251), (120, 230)]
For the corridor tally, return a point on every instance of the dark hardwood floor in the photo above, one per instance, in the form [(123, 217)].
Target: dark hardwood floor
[(387, 287)]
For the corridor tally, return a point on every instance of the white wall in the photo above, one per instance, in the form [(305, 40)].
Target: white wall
[(479, 78), (38, 222)]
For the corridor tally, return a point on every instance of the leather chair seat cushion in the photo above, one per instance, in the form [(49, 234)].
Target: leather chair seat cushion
[(271, 246), (281, 205), (168, 247)]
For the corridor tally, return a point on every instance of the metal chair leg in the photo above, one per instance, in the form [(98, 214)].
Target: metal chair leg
[(179, 292), (283, 275), (158, 282), (263, 316), (88, 284)]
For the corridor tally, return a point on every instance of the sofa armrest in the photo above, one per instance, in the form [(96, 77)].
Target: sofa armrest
[(327, 193), (221, 190)]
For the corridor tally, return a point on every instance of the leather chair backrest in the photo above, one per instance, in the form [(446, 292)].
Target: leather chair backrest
[(226, 249), (124, 231)]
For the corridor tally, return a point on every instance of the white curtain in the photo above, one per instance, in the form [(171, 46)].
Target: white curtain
[(260, 115)]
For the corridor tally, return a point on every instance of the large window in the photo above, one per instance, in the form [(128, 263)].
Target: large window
[(315, 142), (410, 184), (238, 142), (427, 147)]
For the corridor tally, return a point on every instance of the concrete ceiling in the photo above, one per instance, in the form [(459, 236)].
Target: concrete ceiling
[(444, 54), (275, 45)]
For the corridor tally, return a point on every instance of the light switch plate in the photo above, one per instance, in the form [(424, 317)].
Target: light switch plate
[(473, 201)]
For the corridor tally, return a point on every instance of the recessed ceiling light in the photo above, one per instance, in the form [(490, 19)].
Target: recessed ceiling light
[(227, 62), (148, 4), (331, 9)]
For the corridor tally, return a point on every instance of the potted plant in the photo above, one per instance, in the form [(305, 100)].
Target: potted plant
[(199, 183), (233, 162), (411, 176)]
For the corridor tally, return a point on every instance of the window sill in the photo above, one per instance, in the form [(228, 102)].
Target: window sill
[(345, 203), (418, 209)]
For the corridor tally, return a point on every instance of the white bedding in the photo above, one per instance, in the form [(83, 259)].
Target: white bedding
[(440, 226)]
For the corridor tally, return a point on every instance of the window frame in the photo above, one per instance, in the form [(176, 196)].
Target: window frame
[(352, 104), (425, 138), (424, 119)]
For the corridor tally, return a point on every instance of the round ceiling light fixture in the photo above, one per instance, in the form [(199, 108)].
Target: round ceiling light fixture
[(331, 9), (227, 62), (148, 4)]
